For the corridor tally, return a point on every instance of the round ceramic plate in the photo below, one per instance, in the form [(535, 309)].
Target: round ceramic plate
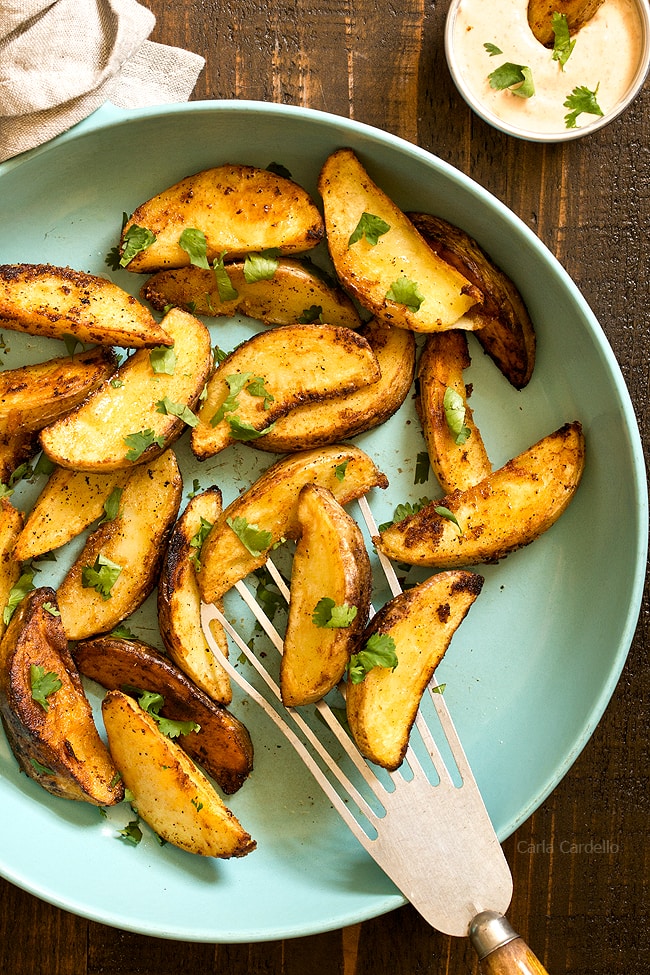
[(533, 666)]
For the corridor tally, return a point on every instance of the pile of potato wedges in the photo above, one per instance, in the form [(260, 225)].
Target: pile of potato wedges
[(335, 356)]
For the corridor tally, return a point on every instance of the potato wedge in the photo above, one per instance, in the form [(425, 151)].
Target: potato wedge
[(275, 371), (69, 502), (222, 746), (240, 210), (15, 451), (179, 600), (507, 510), (294, 293), (331, 563), (33, 396), (169, 792), (267, 511), (45, 712), (382, 707), (137, 414), (341, 417), (399, 258), (458, 460), (53, 302), (501, 321), (118, 566), (11, 524), (540, 13)]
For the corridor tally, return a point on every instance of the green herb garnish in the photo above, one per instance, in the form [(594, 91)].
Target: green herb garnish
[(371, 227), (181, 410), (197, 540), (140, 441), (101, 576), (562, 44), (260, 267), (406, 292), (581, 100), (163, 359), (379, 651), (328, 615), (43, 685), (454, 408), (255, 539), (516, 78), (136, 239), (193, 242)]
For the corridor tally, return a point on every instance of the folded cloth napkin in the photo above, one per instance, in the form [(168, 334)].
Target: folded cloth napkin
[(61, 59)]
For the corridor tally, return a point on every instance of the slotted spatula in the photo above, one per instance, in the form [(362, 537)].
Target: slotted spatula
[(425, 825)]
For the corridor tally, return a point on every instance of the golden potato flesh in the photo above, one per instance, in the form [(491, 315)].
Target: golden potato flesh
[(169, 792), (239, 209), (507, 510), (421, 622), (11, 524), (330, 563)]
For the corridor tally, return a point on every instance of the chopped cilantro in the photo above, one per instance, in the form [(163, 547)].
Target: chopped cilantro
[(139, 442), (312, 314), (492, 49), (152, 702), (405, 292), (43, 685), (72, 345), (101, 576), (449, 515), (245, 431), (260, 267), (163, 359), (136, 239), (236, 382), (181, 410), (422, 467), (41, 769), (516, 78), (340, 469), (581, 100), (122, 632), (197, 540), (131, 833), (227, 292), (454, 408), (256, 387), (562, 44), (193, 242), (371, 227), (112, 505), (403, 511), (255, 539), (17, 592), (267, 593), (379, 651), (51, 609), (327, 614)]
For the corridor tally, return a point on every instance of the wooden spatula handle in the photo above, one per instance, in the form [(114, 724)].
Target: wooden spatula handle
[(500, 949)]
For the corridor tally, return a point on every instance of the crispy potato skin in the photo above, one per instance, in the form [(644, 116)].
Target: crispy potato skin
[(135, 540), (222, 747), (330, 561), (368, 271), (14, 451), (271, 505), (507, 510), (170, 793), (11, 525), (456, 466), (299, 364), (240, 209), (341, 417), (283, 299), (577, 12), (92, 437), (381, 708), (179, 602), (59, 747), (53, 302), (500, 321)]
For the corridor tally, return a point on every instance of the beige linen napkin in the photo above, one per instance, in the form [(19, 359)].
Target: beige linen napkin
[(60, 60)]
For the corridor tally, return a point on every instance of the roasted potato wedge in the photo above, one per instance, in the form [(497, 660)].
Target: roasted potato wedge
[(11, 524), (137, 414), (45, 712), (15, 451), (500, 321), (169, 792), (240, 210), (294, 293), (438, 295), (118, 566), (267, 511), (330, 563), (540, 13), (54, 302), (222, 746), (274, 372), (33, 396), (341, 417), (458, 460), (382, 707), (179, 600), (507, 510), (68, 504)]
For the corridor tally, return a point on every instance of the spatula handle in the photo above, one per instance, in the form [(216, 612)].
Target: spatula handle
[(500, 949)]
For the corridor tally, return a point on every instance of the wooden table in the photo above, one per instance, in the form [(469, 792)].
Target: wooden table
[(580, 865)]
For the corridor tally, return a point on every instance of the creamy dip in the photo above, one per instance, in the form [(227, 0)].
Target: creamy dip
[(606, 56)]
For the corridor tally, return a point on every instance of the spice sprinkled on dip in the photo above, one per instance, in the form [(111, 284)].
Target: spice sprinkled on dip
[(604, 62)]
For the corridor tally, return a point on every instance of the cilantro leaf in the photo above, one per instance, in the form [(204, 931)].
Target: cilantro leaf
[(562, 44), (245, 431), (43, 685), (405, 292), (255, 539), (422, 467), (492, 49), (516, 78), (340, 469), (327, 614), (454, 408), (112, 505), (257, 387), (163, 359), (139, 442), (260, 267), (17, 592), (267, 593), (101, 576), (193, 242), (371, 227), (379, 651), (51, 609), (152, 702), (236, 382), (225, 287), (403, 511), (312, 314), (136, 239), (131, 833), (181, 410), (581, 100), (449, 515), (197, 540)]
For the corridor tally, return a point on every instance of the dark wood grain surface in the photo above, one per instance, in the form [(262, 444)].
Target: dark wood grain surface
[(580, 863)]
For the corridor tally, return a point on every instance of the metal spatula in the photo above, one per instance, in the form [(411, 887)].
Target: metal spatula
[(425, 825)]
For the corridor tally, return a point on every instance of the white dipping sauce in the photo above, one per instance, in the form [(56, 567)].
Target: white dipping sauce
[(606, 55)]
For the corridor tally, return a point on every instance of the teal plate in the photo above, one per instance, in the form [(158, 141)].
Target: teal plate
[(533, 666)]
